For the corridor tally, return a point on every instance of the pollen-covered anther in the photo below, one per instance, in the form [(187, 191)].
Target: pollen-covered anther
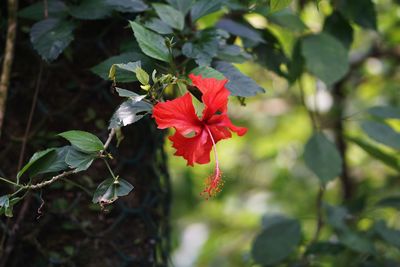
[(214, 185)]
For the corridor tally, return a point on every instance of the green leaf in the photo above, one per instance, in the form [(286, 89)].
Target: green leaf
[(103, 68), (35, 159), (239, 84), (322, 157), (361, 12), (271, 54), (356, 242), (170, 15), (270, 219), (382, 133), (276, 5), (374, 151), (158, 26), (182, 5), (240, 30), (208, 72), (52, 162), (142, 76), (55, 9), (385, 112), (126, 93), (391, 236), (205, 7), (150, 43), (83, 141), (91, 10), (287, 19), (391, 202), (125, 6), (5, 207), (7, 204), (325, 57), (78, 160), (276, 242), (129, 112), (233, 54), (204, 48), (324, 247), (51, 36), (336, 217), (337, 26), (109, 191), (130, 67), (5, 201)]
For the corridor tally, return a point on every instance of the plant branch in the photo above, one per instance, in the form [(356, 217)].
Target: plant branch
[(8, 57), (109, 139), (320, 222), (30, 119), (48, 182)]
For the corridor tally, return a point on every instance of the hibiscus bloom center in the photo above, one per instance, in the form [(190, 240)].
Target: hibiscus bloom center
[(196, 136)]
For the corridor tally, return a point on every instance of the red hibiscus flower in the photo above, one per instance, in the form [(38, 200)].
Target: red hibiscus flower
[(213, 126)]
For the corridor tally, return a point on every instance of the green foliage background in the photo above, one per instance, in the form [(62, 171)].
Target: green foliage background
[(315, 180), (264, 171)]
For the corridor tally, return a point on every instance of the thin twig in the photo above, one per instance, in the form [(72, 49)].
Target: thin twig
[(320, 222), (30, 118), (9, 182), (48, 182), (8, 57)]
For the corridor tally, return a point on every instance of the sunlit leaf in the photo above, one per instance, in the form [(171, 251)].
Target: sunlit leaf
[(129, 112)]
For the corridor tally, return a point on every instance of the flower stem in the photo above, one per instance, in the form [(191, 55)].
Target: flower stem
[(110, 170)]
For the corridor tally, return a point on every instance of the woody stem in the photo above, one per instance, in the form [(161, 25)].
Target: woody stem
[(214, 149)]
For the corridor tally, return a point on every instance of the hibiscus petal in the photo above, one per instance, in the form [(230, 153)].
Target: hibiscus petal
[(221, 127), (178, 113), (215, 95), (194, 149)]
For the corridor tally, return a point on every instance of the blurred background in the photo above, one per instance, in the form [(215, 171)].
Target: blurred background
[(353, 221), (264, 171)]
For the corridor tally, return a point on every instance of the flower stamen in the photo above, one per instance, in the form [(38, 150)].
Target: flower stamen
[(213, 183)]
